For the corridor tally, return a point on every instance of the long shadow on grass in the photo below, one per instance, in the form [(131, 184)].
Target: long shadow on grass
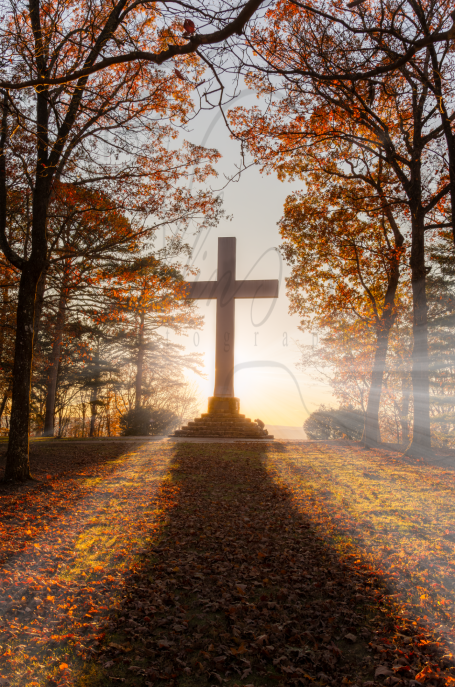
[(241, 590)]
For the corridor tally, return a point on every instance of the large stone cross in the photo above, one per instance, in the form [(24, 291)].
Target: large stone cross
[(226, 289)]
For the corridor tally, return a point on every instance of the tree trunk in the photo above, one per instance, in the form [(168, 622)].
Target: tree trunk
[(140, 362), (93, 411), (39, 302), (405, 398), (5, 308), (54, 365), (3, 404), (421, 434), (17, 456), (94, 399), (371, 432), (108, 416), (5, 313)]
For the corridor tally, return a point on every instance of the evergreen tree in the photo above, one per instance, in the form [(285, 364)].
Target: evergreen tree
[(441, 297)]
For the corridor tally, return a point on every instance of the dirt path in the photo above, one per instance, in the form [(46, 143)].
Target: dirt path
[(239, 564)]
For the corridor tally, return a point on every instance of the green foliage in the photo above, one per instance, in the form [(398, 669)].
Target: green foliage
[(331, 423), (147, 422)]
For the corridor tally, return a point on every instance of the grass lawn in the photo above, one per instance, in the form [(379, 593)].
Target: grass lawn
[(226, 564)]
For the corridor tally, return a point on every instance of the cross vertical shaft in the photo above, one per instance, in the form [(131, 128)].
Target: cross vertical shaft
[(225, 319)]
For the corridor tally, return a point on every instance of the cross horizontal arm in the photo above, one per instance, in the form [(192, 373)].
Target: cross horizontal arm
[(198, 290), (256, 288), (252, 288)]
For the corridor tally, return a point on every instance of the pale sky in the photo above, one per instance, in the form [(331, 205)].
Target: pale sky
[(268, 383)]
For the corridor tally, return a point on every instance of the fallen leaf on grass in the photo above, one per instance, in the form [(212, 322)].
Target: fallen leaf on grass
[(292, 603), (383, 671)]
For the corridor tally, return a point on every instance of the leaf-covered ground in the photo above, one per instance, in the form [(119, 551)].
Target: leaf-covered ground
[(227, 564)]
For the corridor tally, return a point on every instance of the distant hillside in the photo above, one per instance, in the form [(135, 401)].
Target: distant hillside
[(287, 433)]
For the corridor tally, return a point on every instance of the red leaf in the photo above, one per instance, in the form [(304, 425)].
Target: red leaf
[(189, 26)]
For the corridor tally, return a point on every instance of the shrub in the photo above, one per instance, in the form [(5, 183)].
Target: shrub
[(147, 422), (331, 423)]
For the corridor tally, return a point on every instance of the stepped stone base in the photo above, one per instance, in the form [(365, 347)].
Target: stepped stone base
[(223, 420)]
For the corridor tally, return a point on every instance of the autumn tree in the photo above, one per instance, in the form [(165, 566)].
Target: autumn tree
[(74, 354), (93, 299), (360, 42), (117, 36), (346, 252), (108, 127), (85, 231), (342, 129), (79, 80), (342, 361), (148, 295)]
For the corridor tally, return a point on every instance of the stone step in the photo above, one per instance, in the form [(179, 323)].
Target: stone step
[(195, 430), (229, 425), (216, 423), (221, 432), (223, 415), (226, 423), (221, 435), (222, 429)]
